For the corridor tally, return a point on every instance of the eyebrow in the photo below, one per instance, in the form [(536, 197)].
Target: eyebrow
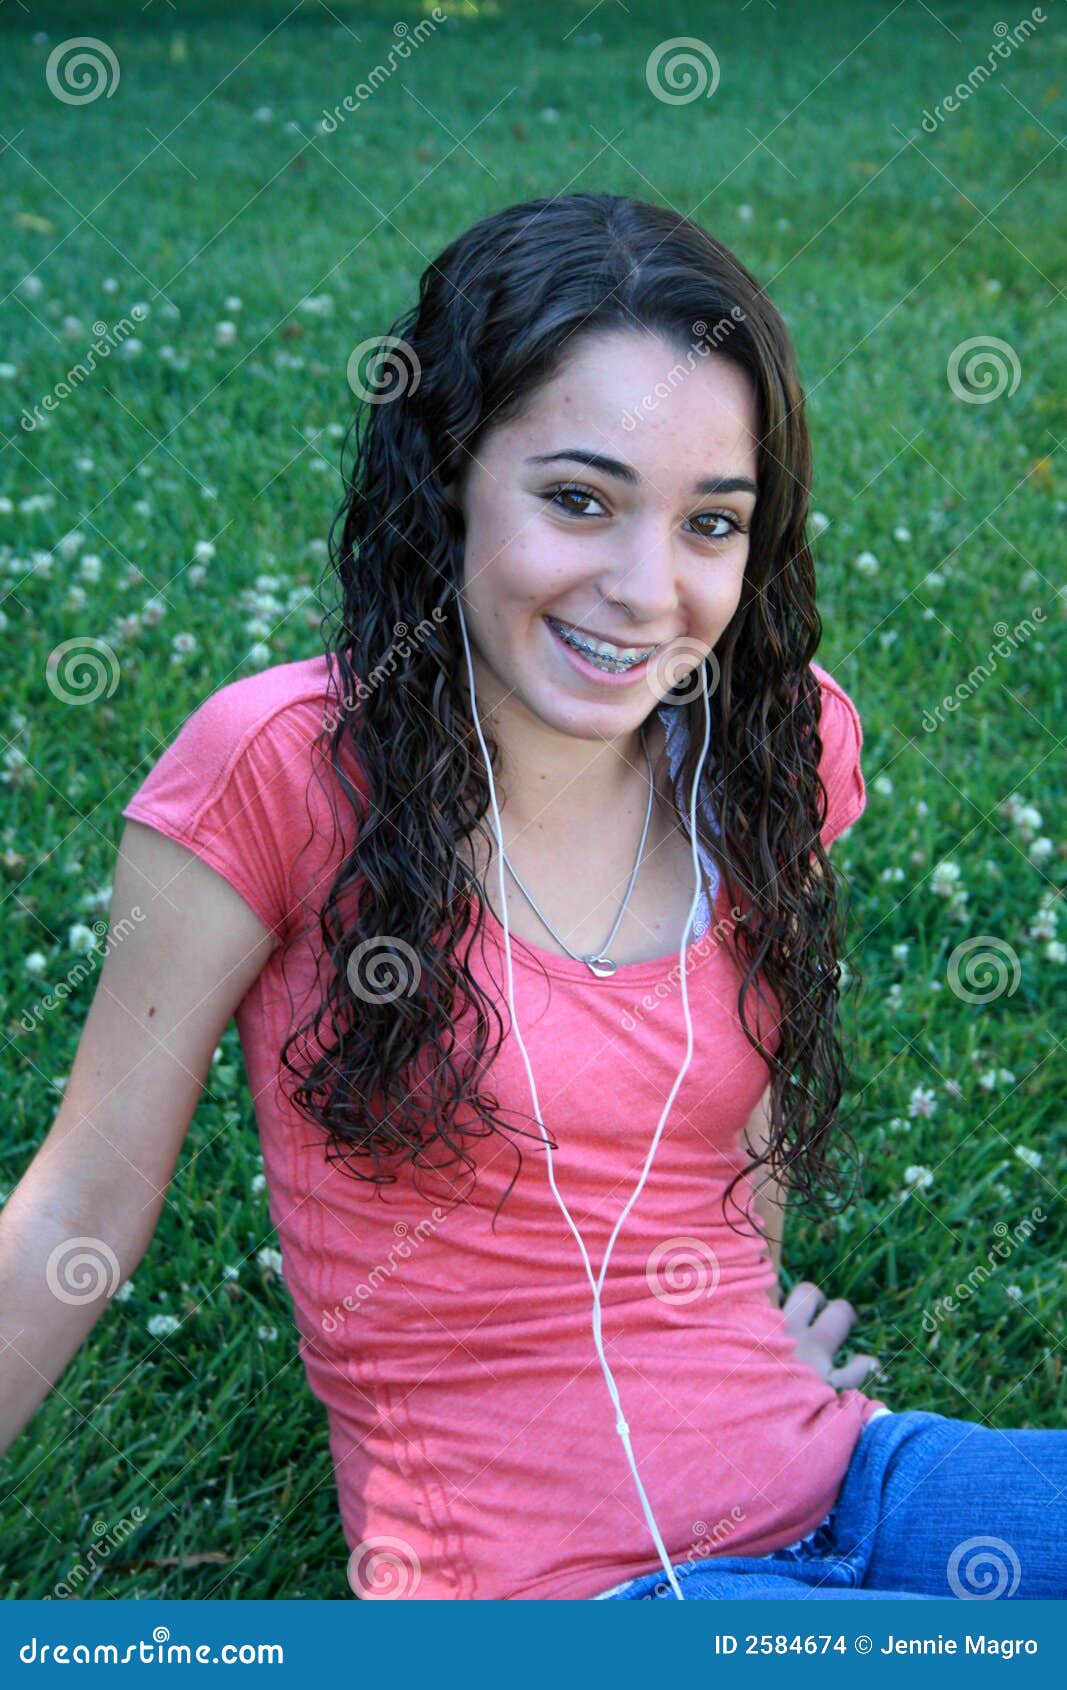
[(627, 473)]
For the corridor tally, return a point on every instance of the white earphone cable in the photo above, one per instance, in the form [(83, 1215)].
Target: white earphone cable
[(620, 1425)]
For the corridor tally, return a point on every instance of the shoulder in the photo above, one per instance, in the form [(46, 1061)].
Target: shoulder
[(841, 734)]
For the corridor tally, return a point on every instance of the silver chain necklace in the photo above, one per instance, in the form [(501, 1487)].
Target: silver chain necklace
[(600, 963)]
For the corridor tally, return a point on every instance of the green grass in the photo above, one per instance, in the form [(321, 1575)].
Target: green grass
[(885, 247)]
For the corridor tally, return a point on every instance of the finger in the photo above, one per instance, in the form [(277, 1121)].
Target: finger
[(802, 1303), (852, 1373), (833, 1324)]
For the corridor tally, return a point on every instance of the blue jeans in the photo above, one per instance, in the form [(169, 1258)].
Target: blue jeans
[(929, 1507)]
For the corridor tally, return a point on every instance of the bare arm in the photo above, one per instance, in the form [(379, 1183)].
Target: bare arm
[(769, 1194), (83, 1214)]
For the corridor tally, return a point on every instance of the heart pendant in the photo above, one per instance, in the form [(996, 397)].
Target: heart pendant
[(602, 966)]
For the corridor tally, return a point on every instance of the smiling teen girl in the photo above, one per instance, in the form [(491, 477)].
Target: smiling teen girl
[(575, 645)]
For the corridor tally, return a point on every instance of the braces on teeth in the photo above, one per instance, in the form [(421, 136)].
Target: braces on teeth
[(602, 659)]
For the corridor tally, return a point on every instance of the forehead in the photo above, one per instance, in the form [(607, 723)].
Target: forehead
[(645, 400)]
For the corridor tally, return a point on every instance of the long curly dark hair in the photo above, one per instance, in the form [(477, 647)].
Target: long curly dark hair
[(496, 314)]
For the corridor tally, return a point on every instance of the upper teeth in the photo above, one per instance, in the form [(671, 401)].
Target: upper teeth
[(603, 648)]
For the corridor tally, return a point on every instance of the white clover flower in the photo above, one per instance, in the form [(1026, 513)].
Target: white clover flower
[(919, 1176), (818, 522), (867, 563), (162, 1325), (922, 1101), (90, 567), (953, 1088), (1014, 1292), (270, 1258), (745, 213), (259, 1182), (260, 655), (902, 534), (203, 551), (231, 1273), (1056, 950), (1028, 819), (900, 952), (267, 1333), (124, 1292), (935, 579), (182, 645), (36, 962), (882, 784), (1032, 1158), (152, 612), (892, 875), (944, 879), (1040, 850), (232, 303), (922, 808), (80, 937), (225, 333)]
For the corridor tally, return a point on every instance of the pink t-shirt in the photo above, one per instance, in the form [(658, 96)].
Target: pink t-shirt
[(470, 1423)]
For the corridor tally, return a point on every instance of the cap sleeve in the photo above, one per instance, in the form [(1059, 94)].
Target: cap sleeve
[(839, 766), (224, 788)]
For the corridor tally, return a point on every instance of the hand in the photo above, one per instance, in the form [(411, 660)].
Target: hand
[(819, 1328)]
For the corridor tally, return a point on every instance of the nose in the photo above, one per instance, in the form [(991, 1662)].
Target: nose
[(647, 578)]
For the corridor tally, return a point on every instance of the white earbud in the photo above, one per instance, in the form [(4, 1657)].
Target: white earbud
[(620, 1424)]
